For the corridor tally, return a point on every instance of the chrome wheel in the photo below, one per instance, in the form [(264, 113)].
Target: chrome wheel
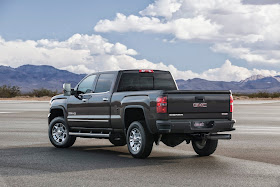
[(59, 133), (200, 144), (135, 140)]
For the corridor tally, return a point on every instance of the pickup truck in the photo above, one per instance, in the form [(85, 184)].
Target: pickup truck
[(140, 108)]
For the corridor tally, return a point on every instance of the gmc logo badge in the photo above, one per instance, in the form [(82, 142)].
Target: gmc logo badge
[(199, 105)]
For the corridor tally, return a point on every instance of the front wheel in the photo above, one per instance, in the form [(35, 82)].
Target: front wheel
[(204, 147), (59, 133), (139, 140)]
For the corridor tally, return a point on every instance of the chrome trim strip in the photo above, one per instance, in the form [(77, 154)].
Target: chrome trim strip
[(89, 120), (93, 117), (89, 117), (176, 114), (115, 117), (94, 93)]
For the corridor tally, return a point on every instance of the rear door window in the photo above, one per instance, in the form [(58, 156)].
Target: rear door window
[(104, 83)]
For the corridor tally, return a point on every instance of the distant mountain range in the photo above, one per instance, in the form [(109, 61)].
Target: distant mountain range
[(249, 85), (29, 77)]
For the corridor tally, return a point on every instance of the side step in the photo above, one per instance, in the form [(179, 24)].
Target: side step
[(92, 135), (219, 136)]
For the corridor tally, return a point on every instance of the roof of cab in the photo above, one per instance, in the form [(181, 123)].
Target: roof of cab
[(142, 69), (126, 70)]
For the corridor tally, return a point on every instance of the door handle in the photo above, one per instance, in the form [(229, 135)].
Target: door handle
[(84, 100), (105, 99)]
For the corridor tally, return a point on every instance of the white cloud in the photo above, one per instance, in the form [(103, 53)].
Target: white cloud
[(271, 57), (163, 8), (184, 28), (124, 23), (91, 53), (229, 72), (248, 31)]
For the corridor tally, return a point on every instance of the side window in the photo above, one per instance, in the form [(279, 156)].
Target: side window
[(136, 82), (86, 86), (129, 82), (104, 83)]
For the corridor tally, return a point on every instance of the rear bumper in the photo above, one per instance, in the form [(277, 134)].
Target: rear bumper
[(187, 127)]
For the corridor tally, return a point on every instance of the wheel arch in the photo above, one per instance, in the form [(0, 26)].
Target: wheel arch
[(134, 113), (57, 111)]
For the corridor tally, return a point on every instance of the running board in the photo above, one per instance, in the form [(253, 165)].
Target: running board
[(92, 135), (219, 136)]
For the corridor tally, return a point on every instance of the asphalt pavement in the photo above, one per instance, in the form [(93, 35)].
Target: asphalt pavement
[(250, 158)]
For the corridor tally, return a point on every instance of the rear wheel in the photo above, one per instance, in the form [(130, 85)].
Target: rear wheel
[(139, 140), (204, 147), (59, 133)]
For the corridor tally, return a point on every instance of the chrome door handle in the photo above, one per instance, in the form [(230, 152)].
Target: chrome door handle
[(105, 99), (84, 100)]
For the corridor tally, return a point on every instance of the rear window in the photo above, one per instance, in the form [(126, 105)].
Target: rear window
[(146, 81)]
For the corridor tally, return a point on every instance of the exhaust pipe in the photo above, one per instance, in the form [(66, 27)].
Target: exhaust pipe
[(219, 136)]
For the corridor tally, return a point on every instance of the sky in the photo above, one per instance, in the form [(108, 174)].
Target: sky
[(227, 40)]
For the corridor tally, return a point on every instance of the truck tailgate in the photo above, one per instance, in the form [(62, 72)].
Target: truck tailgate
[(198, 104)]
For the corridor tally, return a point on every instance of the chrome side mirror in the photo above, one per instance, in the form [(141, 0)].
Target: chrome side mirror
[(67, 89)]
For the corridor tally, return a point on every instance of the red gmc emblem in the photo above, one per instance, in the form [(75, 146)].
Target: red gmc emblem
[(199, 105)]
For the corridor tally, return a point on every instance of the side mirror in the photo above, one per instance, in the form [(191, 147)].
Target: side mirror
[(67, 89), (73, 92)]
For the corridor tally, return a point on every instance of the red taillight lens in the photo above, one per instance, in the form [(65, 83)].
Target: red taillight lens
[(231, 104), (162, 104), (146, 71)]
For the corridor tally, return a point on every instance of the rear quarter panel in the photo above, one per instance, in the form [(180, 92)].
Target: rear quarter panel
[(145, 100)]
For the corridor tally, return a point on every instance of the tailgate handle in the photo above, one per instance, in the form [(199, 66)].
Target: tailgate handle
[(199, 99)]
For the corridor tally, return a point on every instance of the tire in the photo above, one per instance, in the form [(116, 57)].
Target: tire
[(139, 140), (59, 133), (204, 147), (117, 139)]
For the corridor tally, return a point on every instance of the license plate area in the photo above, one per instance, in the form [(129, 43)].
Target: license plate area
[(202, 124)]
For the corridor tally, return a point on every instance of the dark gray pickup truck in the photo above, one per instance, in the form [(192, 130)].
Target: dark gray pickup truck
[(140, 108)]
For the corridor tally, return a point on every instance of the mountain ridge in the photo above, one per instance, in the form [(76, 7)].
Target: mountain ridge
[(29, 77)]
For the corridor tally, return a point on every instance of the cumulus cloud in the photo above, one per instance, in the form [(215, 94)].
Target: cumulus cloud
[(271, 57), (229, 72), (184, 28), (91, 53), (163, 8), (124, 23), (242, 29)]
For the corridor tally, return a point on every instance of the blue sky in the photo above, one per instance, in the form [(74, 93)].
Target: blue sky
[(191, 55)]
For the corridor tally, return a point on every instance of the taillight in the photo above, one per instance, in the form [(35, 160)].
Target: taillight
[(146, 71), (231, 103), (162, 104)]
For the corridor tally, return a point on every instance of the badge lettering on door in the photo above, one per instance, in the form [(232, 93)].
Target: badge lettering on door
[(199, 105), (71, 113)]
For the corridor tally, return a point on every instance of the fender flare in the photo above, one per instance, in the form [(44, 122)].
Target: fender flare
[(136, 107), (60, 108)]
